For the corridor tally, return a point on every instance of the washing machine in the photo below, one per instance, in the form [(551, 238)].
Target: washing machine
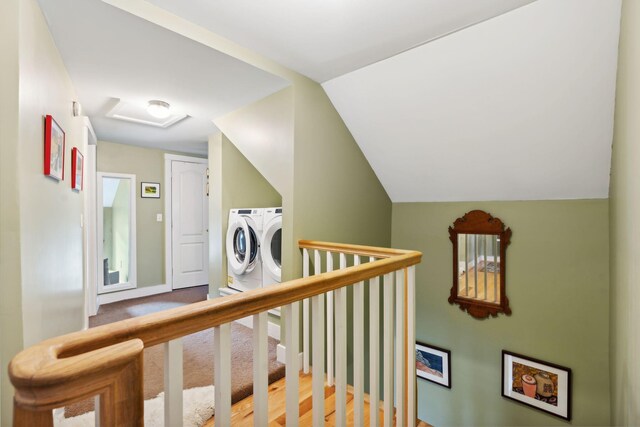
[(271, 247), (244, 267)]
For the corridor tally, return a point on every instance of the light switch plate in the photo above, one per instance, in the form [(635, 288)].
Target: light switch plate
[(159, 217)]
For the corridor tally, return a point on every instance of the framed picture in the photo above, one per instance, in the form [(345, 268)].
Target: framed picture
[(54, 139), (77, 170), (150, 190), (433, 364), (538, 384)]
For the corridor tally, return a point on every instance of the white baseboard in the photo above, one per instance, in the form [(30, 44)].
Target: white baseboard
[(133, 293), (281, 355), (273, 330)]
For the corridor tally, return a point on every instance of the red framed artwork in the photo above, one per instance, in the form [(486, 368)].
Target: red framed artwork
[(77, 169), (54, 139)]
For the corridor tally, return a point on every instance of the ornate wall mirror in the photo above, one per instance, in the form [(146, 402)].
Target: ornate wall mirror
[(479, 264)]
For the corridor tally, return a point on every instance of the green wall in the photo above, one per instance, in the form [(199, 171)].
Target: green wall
[(235, 183), (337, 196), (625, 222), (147, 164), (11, 340), (558, 287), (41, 257)]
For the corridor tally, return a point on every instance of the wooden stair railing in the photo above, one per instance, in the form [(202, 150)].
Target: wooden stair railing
[(106, 361)]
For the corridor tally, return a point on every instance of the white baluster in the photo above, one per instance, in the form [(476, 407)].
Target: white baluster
[(341, 353), (374, 349), (260, 371), (222, 367), (96, 405), (358, 350), (411, 349), (173, 382), (305, 316), (387, 330), (475, 266), (400, 349), (291, 314), (317, 366), (317, 262), (330, 326)]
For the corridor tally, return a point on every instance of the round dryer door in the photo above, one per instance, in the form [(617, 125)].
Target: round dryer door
[(242, 246), (271, 248)]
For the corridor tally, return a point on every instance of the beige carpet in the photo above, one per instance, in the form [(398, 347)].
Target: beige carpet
[(198, 349)]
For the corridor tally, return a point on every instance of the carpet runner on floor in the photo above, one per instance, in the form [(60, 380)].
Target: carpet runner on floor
[(197, 409)]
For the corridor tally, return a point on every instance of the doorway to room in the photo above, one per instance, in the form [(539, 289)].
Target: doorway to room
[(187, 222)]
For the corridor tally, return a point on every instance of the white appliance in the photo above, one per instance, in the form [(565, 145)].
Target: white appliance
[(271, 247), (244, 268)]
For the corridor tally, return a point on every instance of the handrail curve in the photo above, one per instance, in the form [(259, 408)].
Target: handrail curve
[(45, 381), (85, 356)]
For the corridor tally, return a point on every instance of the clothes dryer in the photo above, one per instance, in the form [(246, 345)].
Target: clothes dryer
[(271, 247), (244, 267)]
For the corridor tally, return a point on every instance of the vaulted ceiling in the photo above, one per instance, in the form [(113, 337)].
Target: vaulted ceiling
[(448, 99), (323, 39), (519, 107)]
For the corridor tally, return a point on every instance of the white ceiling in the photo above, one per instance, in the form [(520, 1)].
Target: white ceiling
[(517, 107), (112, 54), (323, 39)]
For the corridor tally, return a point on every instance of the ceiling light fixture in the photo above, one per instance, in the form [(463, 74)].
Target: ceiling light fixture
[(159, 109)]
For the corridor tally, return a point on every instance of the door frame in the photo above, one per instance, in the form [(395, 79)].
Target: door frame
[(91, 303), (168, 235)]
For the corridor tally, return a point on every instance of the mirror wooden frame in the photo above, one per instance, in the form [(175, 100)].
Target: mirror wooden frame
[(480, 222)]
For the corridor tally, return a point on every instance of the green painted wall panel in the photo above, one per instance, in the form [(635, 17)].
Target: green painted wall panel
[(558, 286), (625, 222), (11, 336), (337, 195)]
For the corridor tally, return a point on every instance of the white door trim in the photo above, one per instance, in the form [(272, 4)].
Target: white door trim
[(91, 303), (168, 236)]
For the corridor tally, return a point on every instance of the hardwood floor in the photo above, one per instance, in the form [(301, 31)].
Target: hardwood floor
[(242, 412), (490, 287)]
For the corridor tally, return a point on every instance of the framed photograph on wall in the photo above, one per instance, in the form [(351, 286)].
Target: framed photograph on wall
[(536, 383), (77, 169), (150, 190), (433, 364), (54, 139)]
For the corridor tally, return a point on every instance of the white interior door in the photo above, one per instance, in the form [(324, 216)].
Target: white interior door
[(190, 224)]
